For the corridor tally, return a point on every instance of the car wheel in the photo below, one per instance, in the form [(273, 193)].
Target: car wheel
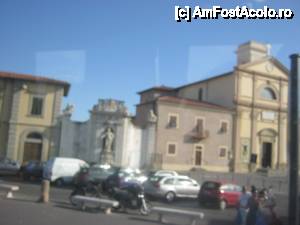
[(59, 182), (223, 204), (170, 196)]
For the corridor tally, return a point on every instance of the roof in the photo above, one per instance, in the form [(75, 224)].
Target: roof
[(185, 101), (35, 79), (157, 88), (166, 88), (205, 80)]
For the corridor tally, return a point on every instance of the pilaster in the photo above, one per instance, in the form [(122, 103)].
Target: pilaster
[(12, 130)]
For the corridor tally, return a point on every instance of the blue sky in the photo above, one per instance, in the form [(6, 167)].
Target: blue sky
[(113, 49)]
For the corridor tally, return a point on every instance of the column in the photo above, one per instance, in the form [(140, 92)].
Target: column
[(253, 117), (282, 151), (237, 147)]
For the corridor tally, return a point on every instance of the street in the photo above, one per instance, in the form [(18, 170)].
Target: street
[(23, 209)]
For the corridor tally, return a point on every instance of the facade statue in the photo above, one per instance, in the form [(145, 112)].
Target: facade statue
[(151, 116), (108, 139), (68, 110)]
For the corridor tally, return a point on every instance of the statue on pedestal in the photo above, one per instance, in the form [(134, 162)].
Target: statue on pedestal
[(106, 156)]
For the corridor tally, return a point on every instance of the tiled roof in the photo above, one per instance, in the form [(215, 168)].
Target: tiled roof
[(205, 80), (157, 88), (166, 88), (185, 101), (37, 79)]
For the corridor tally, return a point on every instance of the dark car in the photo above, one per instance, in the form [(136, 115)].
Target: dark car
[(219, 194), (32, 170), (9, 167), (123, 176), (95, 175)]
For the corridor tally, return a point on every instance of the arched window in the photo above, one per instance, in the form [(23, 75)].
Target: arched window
[(268, 93), (33, 145), (35, 136)]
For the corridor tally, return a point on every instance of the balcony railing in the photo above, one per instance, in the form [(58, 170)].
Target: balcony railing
[(199, 135)]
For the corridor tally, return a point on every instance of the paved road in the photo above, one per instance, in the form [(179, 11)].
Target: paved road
[(24, 210)]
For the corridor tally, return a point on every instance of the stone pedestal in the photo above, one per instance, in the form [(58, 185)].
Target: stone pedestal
[(106, 158)]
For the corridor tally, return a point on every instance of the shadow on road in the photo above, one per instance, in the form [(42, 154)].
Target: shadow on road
[(22, 200), (145, 220), (88, 209), (219, 222)]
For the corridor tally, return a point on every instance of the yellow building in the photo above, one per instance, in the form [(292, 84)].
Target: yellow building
[(255, 93), (29, 106)]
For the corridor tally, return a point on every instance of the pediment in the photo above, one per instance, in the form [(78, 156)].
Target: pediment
[(268, 66)]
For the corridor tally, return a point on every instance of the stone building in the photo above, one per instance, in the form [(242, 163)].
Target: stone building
[(29, 106), (236, 120), (188, 133)]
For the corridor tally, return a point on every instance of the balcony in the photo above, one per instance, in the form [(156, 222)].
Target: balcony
[(199, 135)]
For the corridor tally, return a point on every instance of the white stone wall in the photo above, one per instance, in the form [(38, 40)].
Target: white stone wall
[(132, 145), (67, 137)]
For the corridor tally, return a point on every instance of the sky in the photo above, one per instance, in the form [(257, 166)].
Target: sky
[(116, 48)]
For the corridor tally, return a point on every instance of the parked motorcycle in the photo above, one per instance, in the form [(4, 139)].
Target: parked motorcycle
[(131, 196)]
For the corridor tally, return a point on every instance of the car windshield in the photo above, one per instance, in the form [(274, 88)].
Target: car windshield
[(211, 186), (155, 179)]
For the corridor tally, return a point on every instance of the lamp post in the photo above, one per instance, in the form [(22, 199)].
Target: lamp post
[(294, 115)]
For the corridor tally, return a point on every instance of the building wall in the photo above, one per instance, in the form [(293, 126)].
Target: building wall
[(220, 91), (73, 139), (132, 142), (16, 122), (142, 113), (128, 140), (6, 94), (184, 158), (257, 114)]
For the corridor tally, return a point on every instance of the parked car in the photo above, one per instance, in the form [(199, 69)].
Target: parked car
[(171, 187), (96, 174), (219, 194), (32, 169), (164, 173), (9, 167), (61, 170), (121, 177)]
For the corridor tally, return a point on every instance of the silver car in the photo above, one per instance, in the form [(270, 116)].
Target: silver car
[(171, 187)]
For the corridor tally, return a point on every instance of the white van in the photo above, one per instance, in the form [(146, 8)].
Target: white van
[(62, 170)]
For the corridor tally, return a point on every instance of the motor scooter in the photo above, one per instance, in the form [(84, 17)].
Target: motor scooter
[(131, 196)]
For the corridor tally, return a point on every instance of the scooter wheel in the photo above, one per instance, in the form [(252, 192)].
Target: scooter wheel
[(146, 210)]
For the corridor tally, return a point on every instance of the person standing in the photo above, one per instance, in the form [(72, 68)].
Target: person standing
[(243, 206), (253, 205)]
